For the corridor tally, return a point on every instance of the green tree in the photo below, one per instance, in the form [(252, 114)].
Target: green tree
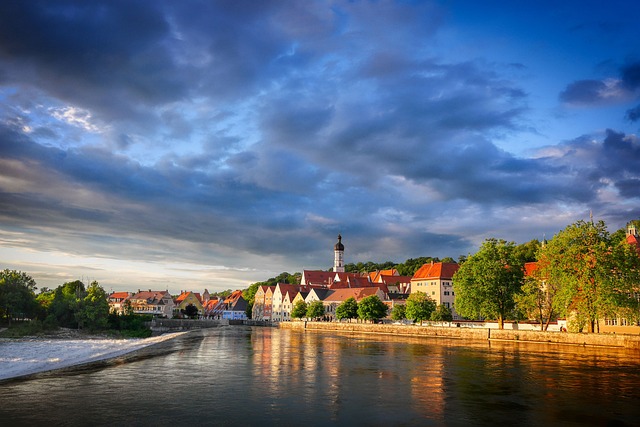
[(190, 311), (93, 309), (442, 313), (595, 275), (419, 307), (527, 252), (536, 301), (487, 283), (65, 303), (399, 312), (348, 309), (371, 308), (17, 295), (315, 310), (299, 310)]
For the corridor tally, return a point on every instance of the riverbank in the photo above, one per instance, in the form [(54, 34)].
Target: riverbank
[(31, 355), (564, 338)]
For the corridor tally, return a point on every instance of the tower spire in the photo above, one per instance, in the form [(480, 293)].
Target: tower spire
[(338, 256)]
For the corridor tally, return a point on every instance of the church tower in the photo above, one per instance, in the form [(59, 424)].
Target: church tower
[(338, 260)]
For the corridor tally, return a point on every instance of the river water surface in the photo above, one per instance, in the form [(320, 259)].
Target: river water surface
[(240, 376)]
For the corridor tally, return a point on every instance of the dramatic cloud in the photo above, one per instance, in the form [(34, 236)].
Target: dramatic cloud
[(188, 144)]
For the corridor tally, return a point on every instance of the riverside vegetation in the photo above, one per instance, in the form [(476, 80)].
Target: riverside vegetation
[(70, 305)]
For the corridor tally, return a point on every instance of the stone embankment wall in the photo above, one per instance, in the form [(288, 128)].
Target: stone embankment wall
[(159, 326), (605, 340)]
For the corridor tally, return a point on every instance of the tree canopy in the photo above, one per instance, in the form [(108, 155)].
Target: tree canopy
[(487, 283), (595, 275), (419, 307), (399, 312), (371, 308), (17, 295), (315, 310), (348, 309), (442, 313), (299, 310)]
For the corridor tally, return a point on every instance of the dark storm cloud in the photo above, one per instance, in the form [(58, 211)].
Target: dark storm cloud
[(91, 51), (594, 92), (584, 92), (269, 127), (633, 114)]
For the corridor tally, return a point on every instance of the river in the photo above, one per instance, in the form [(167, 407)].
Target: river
[(241, 376)]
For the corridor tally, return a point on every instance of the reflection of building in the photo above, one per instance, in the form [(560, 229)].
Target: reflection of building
[(436, 280)]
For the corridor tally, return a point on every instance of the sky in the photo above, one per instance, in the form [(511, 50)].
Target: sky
[(212, 144)]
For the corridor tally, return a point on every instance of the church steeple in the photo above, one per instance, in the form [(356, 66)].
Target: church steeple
[(338, 259)]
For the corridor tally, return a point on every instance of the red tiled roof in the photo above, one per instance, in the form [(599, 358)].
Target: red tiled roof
[(119, 295), (436, 270), (340, 295), (530, 268), (376, 276), (634, 241), (317, 277), (392, 280), (150, 295)]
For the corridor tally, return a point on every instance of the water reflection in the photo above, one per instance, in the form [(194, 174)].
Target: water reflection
[(263, 376)]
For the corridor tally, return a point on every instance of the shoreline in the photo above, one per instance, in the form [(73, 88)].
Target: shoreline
[(629, 342), (27, 356)]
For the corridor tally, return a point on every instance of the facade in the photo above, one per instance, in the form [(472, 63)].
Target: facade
[(235, 307), (213, 308), (186, 298), (262, 302), (116, 301), (436, 280), (281, 303), (157, 303)]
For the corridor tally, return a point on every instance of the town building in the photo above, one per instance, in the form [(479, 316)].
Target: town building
[(117, 301), (185, 299), (157, 303), (436, 280), (235, 307)]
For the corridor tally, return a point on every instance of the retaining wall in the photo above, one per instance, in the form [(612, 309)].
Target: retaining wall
[(605, 340)]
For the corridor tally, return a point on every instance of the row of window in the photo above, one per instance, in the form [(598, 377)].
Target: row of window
[(614, 322)]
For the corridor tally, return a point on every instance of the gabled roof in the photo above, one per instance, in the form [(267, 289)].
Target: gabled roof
[(317, 277), (392, 280), (151, 296), (119, 295), (233, 297), (286, 287), (376, 276), (340, 295), (436, 270), (321, 293)]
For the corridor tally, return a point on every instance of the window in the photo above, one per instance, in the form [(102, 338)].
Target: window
[(433, 292), (446, 292)]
